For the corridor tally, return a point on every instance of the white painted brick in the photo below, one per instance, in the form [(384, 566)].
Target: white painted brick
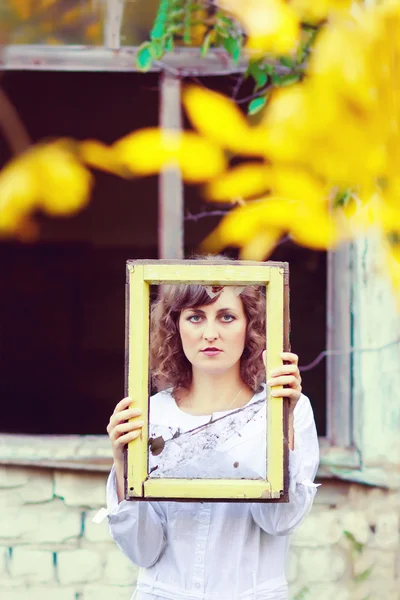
[(39, 593), (87, 490), (319, 529), (50, 522), (39, 487), (331, 493), (357, 524), (4, 553), (78, 566), (32, 566), (379, 590), (119, 570), (383, 564), (322, 565), (9, 498), (106, 592), (13, 477), (96, 532), (387, 532), (34, 485), (324, 591)]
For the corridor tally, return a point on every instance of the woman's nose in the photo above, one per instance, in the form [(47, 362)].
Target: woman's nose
[(210, 333)]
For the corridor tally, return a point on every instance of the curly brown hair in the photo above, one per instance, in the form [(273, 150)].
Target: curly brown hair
[(168, 363)]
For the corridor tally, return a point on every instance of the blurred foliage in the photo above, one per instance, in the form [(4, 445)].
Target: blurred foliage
[(52, 22)]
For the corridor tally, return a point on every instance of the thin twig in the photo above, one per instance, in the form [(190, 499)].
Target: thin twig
[(211, 213), (351, 350)]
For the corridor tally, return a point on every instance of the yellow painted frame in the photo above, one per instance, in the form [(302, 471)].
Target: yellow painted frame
[(141, 274)]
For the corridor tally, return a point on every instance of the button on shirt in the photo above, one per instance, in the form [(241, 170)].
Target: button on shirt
[(215, 550)]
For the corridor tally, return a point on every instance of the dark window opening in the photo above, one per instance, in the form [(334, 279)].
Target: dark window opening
[(62, 301)]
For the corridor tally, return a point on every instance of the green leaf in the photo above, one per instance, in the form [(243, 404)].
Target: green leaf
[(357, 546), (144, 58), (286, 61), (258, 73), (206, 45), (364, 575), (158, 30), (157, 49), (257, 104), (284, 80), (233, 46), (169, 44)]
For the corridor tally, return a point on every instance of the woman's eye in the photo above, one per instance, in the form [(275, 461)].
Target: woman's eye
[(194, 318), (227, 318)]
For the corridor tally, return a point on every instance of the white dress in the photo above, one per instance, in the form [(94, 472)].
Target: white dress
[(216, 550)]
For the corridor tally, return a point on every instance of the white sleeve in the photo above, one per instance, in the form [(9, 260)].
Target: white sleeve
[(283, 519), (138, 527)]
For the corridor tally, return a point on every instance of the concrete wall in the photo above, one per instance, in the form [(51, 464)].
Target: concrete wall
[(51, 550)]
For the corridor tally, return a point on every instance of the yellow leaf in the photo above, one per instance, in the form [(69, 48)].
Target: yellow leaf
[(261, 246), (243, 181), (148, 151), (272, 28), (271, 25), (219, 119), (99, 156), (314, 229), (199, 159), (244, 223), (314, 11), (64, 184), (18, 191)]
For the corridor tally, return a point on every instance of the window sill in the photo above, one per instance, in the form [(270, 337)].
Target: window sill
[(76, 452), (93, 453)]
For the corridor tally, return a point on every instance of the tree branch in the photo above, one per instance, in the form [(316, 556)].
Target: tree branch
[(12, 127)]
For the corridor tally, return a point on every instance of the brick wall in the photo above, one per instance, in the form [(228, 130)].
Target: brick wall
[(51, 550)]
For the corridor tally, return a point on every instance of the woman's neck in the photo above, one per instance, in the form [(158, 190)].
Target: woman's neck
[(214, 393)]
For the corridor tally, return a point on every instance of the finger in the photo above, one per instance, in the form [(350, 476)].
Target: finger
[(286, 393), (264, 357), (285, 370), (122, 416), (122, 404), (283, 380), (290, 357), (128, 437), (123, 428)]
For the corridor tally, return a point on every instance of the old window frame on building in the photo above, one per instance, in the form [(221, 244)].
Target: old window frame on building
[(338, 450)]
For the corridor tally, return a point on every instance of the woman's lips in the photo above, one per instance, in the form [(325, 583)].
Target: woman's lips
[(211, 351)]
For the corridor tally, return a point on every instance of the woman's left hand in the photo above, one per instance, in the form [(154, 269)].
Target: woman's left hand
[(287, 375)]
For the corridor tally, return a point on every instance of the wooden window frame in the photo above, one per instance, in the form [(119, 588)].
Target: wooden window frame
[(338, 448), (141, 275)]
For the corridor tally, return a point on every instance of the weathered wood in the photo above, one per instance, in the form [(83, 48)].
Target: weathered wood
[(210, 489), (171, 200), (91, 58), (138, 376), (339, 358), (113, 24), (215, 275), (376, 359), (275, 336)]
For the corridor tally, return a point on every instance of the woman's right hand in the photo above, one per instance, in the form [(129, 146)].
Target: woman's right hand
[(120, 430)]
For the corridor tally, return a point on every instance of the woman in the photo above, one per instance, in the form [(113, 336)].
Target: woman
[(207, 356)]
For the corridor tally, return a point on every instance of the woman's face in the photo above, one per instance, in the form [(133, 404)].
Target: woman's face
[(213, 336)]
